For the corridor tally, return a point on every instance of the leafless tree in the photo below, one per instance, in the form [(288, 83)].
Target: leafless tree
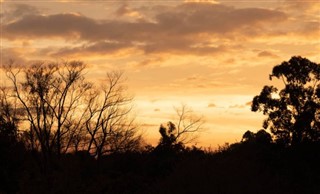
[(184, 130), (107, 122), (61, 112), (125, 137), (188, 124), (49, 94)]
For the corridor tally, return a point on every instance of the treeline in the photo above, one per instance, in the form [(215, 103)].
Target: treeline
[(62, 134), (52, 109), (254, 165)]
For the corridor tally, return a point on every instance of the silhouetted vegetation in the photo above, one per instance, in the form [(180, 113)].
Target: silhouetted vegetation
[(175, 135), (60, 112), (58, 137), (293, 112)]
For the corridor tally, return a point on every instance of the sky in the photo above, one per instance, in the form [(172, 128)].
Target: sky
[(213, 56)]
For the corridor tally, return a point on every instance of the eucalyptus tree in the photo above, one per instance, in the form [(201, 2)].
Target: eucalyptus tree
[(293, 111)]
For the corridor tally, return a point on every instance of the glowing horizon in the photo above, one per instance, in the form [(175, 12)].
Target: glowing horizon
[(214, 56)]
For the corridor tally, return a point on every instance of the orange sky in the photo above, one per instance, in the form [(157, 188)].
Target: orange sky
[(214, 56)]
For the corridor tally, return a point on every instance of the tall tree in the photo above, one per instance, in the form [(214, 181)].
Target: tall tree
[(49, 95), (63, 112), (293, 112), (109, 127)]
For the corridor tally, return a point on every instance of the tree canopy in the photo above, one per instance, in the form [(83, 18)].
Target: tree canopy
[(293, 111)]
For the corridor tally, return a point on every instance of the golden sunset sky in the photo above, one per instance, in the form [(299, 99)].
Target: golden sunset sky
[(214, 56)]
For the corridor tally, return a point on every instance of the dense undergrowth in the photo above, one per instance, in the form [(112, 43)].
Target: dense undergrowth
[(239, 168)]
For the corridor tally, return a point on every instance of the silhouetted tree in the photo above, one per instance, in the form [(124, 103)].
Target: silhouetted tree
[(168, 138), (261, 137), (293, 112), (8, 116), (49, 95), (11, 150), (184, 131), (107, 120), (66, 113), (248, 136)]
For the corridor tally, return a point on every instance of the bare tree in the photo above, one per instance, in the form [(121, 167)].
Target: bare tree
[(185, 130), (49, 95), (125, 137), (62, 112), (107, 122), (188, 124)]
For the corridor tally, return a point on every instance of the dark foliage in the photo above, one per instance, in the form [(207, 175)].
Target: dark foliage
[(245, 167), (261, 137), (11, 156), (293, 112), (169, 140)]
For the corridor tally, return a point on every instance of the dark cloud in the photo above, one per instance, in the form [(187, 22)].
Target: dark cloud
[(194, 18), (18, 11), (24, 9), (179, 30), (101, 47), (60, 25)]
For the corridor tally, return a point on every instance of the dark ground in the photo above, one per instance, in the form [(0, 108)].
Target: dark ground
[(239, 168)]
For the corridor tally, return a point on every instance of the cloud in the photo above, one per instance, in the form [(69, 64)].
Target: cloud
[(240, 106), (300, 4), (149, 62), (266, 54), (59, 25), (211, 105), (9, 54), (100, 48), (193, 18), (311, 28), (126, 11), (248, 103), (18, 11), (181, 46), (202, 1), (186, 29), (237, 106)]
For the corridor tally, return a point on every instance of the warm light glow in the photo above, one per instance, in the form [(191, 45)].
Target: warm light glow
[(214, 56)]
